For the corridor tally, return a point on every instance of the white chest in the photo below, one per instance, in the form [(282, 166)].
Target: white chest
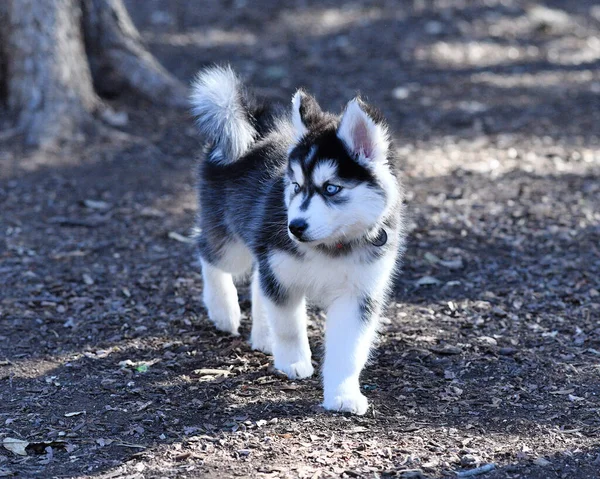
[(323, 279)]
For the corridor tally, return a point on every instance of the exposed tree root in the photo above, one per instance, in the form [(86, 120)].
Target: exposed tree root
[(55, 55)]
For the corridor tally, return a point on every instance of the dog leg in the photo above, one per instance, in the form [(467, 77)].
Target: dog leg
[(260, 337), (220, 298), (291, 350), (349, 334)]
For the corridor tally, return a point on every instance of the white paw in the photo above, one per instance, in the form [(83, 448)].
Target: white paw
[(225, 317), (355, 403), (296, 370), (261, 342)]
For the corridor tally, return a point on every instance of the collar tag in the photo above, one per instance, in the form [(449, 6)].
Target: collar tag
[(381, 238)]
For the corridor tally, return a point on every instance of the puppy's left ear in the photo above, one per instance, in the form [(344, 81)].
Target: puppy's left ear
[(305, 113), (363, 132)]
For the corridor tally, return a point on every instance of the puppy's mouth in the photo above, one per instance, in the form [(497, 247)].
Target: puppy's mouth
[(310, 240), (303, 239)]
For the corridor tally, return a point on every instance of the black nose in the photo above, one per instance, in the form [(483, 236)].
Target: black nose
[(298, 227)]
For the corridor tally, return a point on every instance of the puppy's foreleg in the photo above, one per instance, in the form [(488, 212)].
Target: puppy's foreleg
[(350, 330), (289, 338)]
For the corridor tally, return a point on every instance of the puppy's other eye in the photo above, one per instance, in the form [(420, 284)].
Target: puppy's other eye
[(296, 187), (331, 190)]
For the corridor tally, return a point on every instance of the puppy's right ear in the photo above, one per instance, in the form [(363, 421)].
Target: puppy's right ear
[(305, 112)]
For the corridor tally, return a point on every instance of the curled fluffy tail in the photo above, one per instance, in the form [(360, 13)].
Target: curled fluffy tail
[(218, 102)]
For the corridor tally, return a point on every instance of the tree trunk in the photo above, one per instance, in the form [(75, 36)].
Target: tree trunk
[(53, 53), (49, 82)]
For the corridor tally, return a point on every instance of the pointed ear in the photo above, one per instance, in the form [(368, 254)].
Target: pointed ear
[(363, 136), (305, 112)]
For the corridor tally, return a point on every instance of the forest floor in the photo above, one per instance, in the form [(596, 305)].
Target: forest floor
[(490, 353)]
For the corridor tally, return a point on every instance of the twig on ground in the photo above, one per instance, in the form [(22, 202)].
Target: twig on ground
[(477, 471), (212, 372), (125, 444)]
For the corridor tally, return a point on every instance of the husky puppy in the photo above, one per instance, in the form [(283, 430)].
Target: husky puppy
[(309, 202)]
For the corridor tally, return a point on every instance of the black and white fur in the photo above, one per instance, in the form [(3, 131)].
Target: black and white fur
[(309, 201)]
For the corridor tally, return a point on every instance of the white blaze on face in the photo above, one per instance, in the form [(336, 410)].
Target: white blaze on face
[(298, 175), (325, 172)]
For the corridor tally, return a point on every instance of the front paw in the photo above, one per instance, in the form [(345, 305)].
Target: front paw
[(296, 370), (354, 403)]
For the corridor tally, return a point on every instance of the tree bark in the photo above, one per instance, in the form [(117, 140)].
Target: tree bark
[(48, 79), (118, 56), (55, 54)]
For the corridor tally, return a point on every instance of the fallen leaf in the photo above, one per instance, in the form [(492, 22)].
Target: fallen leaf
[(289, 387), (356, 430), (400, 93), (70, 254), (149, 212), (563, 391), (75, 413), (452, 263), (142, 406), (183, 456), (96, 205), (15, 445), (487, 341), (446, 349), (432, 258), (212, 372), (428, 281)]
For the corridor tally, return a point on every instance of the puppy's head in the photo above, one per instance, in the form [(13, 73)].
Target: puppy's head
[(339, 185)]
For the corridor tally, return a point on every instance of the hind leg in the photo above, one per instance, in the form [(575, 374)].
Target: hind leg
[(220, 298), (260, 337)]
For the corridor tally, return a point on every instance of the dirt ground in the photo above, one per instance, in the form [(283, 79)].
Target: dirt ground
[(490, 352)]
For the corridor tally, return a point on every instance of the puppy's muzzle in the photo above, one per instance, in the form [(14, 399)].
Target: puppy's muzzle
[(298, 227)]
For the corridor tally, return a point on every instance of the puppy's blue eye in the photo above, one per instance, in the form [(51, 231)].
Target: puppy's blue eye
[(331, 190), (296, 187)]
